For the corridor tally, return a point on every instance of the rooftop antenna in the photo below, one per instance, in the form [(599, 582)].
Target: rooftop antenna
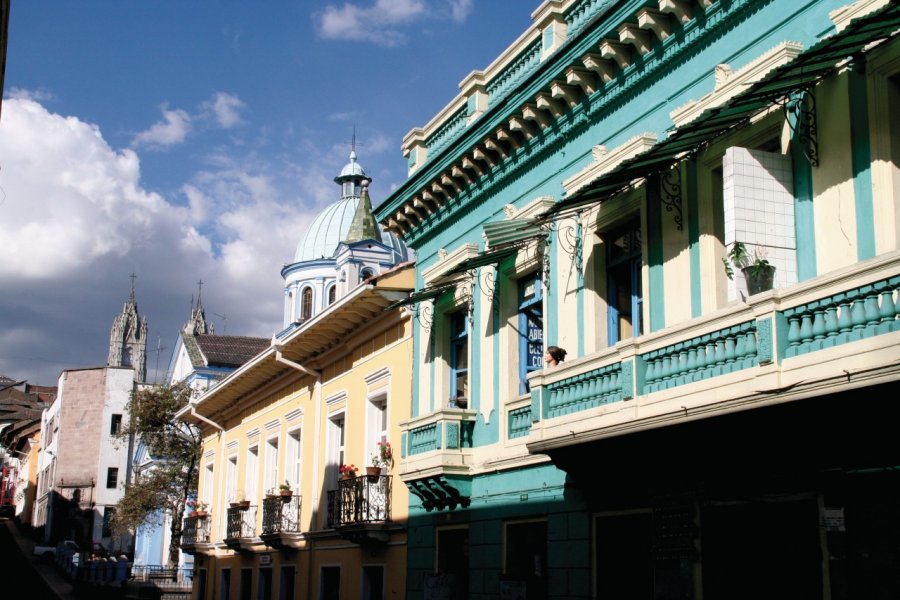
[(224, 324)]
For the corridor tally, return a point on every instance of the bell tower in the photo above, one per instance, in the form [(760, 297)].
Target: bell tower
[(128, 339)]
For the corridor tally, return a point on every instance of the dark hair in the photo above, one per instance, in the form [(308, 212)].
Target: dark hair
[(557, 353)]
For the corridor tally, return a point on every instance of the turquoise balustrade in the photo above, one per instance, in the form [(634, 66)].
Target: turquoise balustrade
[(517, 70), (849, 316), (425, 438), (519, 422), (448, 130), (587, 390), (717, 353)]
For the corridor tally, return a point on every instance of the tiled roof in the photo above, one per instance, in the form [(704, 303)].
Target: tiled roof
[(229, 350)]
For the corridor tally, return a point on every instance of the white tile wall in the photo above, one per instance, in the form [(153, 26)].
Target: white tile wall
[(759, 211)]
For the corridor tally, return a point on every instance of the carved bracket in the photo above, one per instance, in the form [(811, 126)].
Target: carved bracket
[(800, 110), (670, 193)]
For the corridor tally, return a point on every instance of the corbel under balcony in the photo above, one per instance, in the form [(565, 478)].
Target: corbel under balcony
[(656, 21), (599, 65), (617, 52), (630, 33), (729, 84), (583, 78), (680, 9), (424, 207), (447, 180), (495, 146), (457, 173)]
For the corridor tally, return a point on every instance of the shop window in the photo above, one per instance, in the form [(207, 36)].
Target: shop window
[(286, 585), (224, 584), (623, 282), (264, 585), (531, 329), (246, 590), (459, 359)]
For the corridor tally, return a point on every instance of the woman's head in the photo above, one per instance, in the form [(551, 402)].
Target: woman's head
[(555, 355)]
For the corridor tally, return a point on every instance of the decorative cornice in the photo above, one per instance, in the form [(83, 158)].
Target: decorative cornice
[(336, 398), (610, 160), (433, 273), (842, 16), (293, 415)]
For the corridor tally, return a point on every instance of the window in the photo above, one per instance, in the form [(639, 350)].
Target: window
[(264, 585), (231, 478), (286, 585), (372, 583), (453, 560), (224, 585), (246, 590), (366, 274), (459, 359), (252, 474), (525, 558), (208, 483), (115, 425), (330, 584), (112, 477), (531, 329), (377, 424), (292, 459), (201, 584), (623, 282), (108, 513), (331, 294), (335, 449), (271, 474), (306, 304)]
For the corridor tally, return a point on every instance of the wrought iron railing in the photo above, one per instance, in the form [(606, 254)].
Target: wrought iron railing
[(281, 514), (360, 501), (241, 522), (195, 531)]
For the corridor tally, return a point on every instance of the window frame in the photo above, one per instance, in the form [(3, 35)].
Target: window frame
[(535, 302), (458, 339), (112, 475)]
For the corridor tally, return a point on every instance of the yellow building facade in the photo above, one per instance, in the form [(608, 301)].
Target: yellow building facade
[(322, 397)]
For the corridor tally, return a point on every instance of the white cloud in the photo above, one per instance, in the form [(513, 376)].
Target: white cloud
[(173, 129), (226, 108), (76, 222), (460, 10), (36, 95), (381, 23)]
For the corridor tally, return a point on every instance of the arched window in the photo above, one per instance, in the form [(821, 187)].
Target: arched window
[(366, 273), (331, 294), (306, 304)]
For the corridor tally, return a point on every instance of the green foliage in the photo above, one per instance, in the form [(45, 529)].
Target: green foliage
[(175, 446), (740, 258)]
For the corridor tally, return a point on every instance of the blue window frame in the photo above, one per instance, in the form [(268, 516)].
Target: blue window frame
[(531, 329), (459, 359), (623, 282)]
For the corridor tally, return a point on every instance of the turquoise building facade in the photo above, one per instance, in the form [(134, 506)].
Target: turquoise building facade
[(620, 182)]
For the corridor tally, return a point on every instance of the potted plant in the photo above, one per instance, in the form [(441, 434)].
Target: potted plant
[(348, 471), (383, 458), (198, 508), (758, 272), (285, 490)]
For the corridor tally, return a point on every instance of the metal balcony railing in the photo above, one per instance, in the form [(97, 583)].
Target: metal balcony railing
[(241, 522), (281, 514), (360, 501), (195, 531)]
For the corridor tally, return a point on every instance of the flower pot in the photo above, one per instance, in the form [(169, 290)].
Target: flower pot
[(286, 495), (759, 278), (243, 504), (373, 473)]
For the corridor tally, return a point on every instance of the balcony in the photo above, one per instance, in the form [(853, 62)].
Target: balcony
[(195, 534), (281, 521), (837, 332), (439, 443), (360, 509), (240, 533)]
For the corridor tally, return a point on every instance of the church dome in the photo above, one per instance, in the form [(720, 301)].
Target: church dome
[(328, 230)]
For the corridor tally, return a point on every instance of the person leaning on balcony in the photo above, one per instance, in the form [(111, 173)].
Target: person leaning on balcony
[(554, 356)]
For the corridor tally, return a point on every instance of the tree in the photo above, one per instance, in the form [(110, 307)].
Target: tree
[(175, 447)]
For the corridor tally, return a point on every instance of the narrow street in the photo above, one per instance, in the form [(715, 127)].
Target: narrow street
[(22, 576)]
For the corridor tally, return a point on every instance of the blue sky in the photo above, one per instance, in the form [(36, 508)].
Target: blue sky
[(183, 141)]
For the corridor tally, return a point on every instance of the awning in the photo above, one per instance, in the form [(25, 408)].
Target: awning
[(488, 257), (511, 232), (801, 73), (422, 295)]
